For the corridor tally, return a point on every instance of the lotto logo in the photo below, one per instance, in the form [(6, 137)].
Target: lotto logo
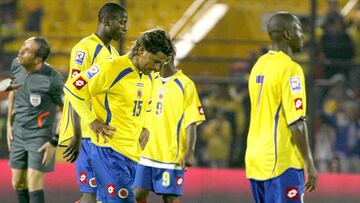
[(292, 193), (74, 72), (298, 103), (179, 180), (201, 110), (79, 83), (83, 178), (110, 189)]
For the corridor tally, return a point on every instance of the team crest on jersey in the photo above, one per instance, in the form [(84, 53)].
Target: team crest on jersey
[(35, 99), (179, 180), (92, 182), (93, 70), (292, 193), (123, 193), (83, 178), (139, 93), (79, 83), (79, 57), (298, 104), (295, 84), (111, 190), (74, 72), (201, 110)]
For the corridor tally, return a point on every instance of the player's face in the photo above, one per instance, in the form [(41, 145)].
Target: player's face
[(26, 55), (152, 62), (297, 40), (118, 27)]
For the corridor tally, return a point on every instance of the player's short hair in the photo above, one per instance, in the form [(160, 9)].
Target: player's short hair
[(280, 22), (111, 10), (43, 49), (154, 41)]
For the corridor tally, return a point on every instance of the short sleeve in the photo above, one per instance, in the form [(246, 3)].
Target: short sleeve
[(193, 110), (293, 94), (80, 60)]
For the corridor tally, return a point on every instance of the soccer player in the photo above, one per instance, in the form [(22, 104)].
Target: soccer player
[(31, 138), (112, 20), (277, 146), (120, 88), (176, 111)]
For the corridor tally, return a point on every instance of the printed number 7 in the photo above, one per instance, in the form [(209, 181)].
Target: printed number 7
[(260, 80)]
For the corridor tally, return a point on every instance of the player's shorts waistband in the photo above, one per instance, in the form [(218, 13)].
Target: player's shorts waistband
[(156, 164)]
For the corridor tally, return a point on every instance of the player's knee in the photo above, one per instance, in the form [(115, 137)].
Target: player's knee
[(140, 194), (18, 184), (170, 199)]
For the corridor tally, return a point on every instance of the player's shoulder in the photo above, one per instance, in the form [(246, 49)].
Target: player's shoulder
[(84, 43), (185, 80)]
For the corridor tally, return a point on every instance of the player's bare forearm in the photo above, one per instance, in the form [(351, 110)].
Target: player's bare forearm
[(300, 137), (11, 99), (75, 118), (191, 136)]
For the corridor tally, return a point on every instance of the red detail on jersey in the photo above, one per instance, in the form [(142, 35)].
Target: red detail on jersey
[(292, 193), (201, 110), (79, 83), (123, 193), (83, 178), (161, 96), (179, 180), (298, 103), (92, 182), (74, 72), (110, 189)]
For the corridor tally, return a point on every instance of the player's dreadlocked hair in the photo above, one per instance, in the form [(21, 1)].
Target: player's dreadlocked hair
[(154, 41)]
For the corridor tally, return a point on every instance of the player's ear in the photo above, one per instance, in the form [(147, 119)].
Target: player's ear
[(141, 51), (287, 34)]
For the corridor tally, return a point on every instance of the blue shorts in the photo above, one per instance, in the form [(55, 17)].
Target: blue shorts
[(161, 181), (288, 187), (84, 171), (114, 175)]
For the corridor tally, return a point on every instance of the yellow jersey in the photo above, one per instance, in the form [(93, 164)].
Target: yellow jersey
[(119, 95), (175, 105), (88, 51), (278, 99)]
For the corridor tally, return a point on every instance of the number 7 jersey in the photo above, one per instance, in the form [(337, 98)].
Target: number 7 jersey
[(278, 100)]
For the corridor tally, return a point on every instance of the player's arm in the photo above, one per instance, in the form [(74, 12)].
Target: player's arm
[(294, 104), (79, 91), (191, 136), (301, 139), (10, 118)]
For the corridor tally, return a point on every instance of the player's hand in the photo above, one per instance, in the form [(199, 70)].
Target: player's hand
[(9, 84), (103, 130), (187, 161), (73, 150), (311, 182), (9, 136), (49, 151), (144, 138)]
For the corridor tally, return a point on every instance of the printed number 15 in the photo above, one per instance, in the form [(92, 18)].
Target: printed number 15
[(137, 108)]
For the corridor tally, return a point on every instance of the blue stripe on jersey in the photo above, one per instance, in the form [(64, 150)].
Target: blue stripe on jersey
[(149, 75), (275, 136), (108, 111), (121, 75), (178, 134), (180, 85), (156, 77), (97, 50), (73, 94)]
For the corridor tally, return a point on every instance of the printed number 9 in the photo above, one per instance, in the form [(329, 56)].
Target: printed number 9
[(166, 179)]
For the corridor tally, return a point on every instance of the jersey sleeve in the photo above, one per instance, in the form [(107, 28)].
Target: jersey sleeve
[(193, 110), (80, 60), (56, 92), (91, 82), (293, 94)]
